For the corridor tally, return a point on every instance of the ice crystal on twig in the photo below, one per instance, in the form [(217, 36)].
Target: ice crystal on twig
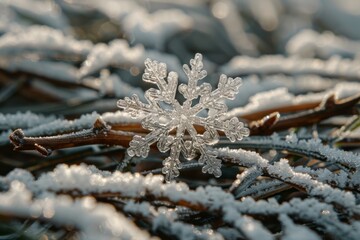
[(163, 114)]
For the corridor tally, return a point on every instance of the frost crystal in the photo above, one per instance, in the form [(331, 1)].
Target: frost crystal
[(164, 114)]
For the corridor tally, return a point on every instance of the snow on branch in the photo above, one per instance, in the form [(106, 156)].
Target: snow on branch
[(335, 67), (294, 231), (83, 180), (281, 97), (89, 180), (340, 179), (59, 126), (283, 171), (309, 43), (258, 188), (165, 220), (295, 84), (23, 120), (118, 52), (311, 148), (311, 210), (93, 220), (41, 39)]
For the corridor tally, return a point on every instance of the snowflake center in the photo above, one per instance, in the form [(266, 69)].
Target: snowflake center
[(182, 115)]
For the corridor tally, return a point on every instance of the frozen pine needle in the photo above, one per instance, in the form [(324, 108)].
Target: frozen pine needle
[(163, 113)]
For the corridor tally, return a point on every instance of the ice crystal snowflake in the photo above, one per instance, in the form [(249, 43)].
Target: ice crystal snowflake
[(164, 114)]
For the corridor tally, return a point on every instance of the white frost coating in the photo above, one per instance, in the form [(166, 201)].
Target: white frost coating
[(260, 188), (62, 125), (41, 39), (163, 113), (330, 154), (119, 117), (309, 43), (295, 85), (23, 120), (247, 158), (282, 170), (281, 97), (94, 220), (251, 228), (59, 126), (86, 180), (273, 99), (153, 29), (275, 64), (117, 52), (54, 70), (295, 232), (311, 146), (341, 178), (308, 209), (91, 180), (314, 188), (165, 220)]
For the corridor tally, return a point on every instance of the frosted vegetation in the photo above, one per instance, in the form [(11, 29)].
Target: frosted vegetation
[(234, 119)]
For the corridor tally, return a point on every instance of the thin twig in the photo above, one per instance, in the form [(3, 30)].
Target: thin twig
[(100, 133)]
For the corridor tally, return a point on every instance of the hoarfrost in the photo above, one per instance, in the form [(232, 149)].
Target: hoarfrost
[(95, 220)]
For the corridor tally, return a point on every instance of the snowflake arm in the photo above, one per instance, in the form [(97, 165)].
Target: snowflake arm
[(164, 114)]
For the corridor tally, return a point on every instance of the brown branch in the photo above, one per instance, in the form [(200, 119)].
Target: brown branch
[(283, 109), (121, 134), (100, 133), (328, 108)]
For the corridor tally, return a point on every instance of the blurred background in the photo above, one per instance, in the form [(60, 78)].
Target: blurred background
[(71, 57)]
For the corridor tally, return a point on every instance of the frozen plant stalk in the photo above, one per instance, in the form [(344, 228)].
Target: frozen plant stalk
[(163, 114)]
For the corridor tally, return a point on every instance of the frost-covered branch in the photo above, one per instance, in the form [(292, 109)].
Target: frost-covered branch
[(335, 67), (93, 220), (281, 170), (43, 41), (308, 148), (100, 133), (309, 43), (82, 180), (166, 221), (280, 100)]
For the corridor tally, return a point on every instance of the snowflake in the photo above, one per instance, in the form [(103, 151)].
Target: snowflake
[(163, 114)]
